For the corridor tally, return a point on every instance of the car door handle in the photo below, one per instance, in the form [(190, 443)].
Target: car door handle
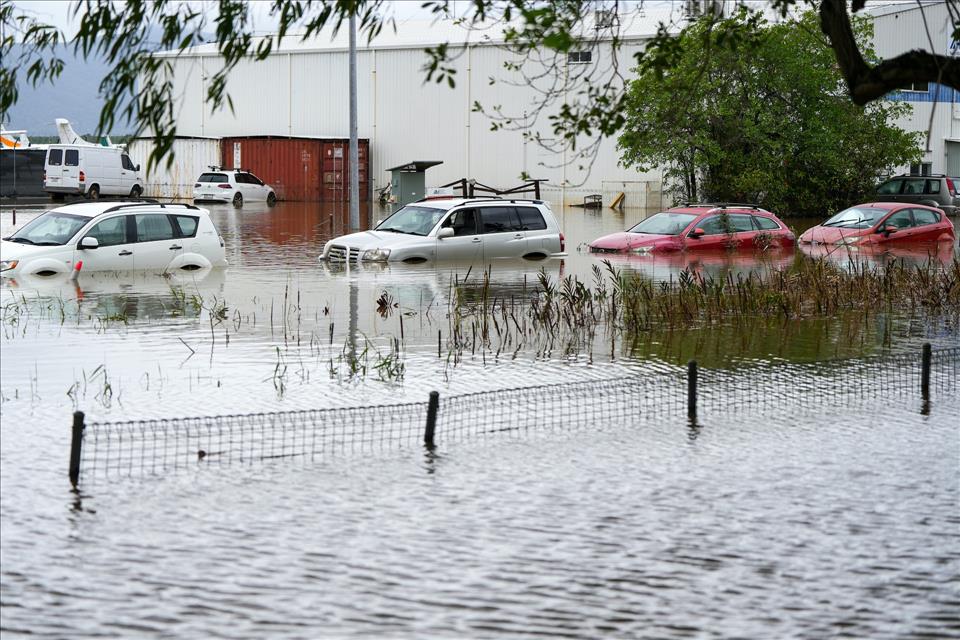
[(175, 247), (125, 253), (476, 241), (518, 236)]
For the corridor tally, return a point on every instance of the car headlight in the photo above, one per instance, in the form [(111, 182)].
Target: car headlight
[(6, 265), (642, 251), (847, 241), (375, 255)]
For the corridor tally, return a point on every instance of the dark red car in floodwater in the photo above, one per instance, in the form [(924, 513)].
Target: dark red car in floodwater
[(700, 227), (882, 223)]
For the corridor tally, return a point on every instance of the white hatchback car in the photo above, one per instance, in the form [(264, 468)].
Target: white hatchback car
[(108, 236), (232, 185), (445, 228)]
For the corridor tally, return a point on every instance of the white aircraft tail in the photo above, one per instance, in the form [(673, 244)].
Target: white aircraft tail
[(69, 136)]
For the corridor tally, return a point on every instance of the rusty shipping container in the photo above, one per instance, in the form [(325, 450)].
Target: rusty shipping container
[(300, 169)]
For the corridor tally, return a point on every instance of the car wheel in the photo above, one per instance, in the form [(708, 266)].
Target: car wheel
[(238, 200), (136, 191), (93, 192), (271, 199)]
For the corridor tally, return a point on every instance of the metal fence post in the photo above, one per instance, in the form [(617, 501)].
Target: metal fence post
[(432, 408), (925, 371), (692, 390), (76, 442)]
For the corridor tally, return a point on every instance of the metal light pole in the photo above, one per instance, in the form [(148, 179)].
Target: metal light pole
[(354, 146)]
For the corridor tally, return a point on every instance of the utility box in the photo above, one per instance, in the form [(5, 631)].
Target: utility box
[(408, 181)]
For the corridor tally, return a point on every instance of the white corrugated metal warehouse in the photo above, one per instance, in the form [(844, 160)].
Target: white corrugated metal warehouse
[(301, 90)]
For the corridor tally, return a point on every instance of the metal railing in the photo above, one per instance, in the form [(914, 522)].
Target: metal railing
[(143, 447)]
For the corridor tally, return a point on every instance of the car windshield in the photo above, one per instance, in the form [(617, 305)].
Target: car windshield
[(666, 223), (417, 221), (50, 228), (856, 218)]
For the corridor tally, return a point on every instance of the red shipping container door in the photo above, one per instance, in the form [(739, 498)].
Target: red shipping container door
[(336, 160), (299, 169)]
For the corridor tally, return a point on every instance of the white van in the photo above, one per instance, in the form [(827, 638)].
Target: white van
[(91, 171)]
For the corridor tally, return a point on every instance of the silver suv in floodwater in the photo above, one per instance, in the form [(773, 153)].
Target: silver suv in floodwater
[(451, 228), (938, 191)]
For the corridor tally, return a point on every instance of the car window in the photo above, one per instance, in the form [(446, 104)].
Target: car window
[(726, 223), (110, 231), (899, 220), (856, 218), (666, 223), (127, 163), (913, 185), (153, 226), (499, 219), (925, 216), (740, 222), (933, 186), (50, 228), (188, 226), (765, 224), (213, 177), (55, 158), (890, 188), (531, 219), (71, 157), (252, 179), (463, 222)]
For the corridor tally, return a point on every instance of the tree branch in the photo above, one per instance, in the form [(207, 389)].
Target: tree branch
[(867, 83)]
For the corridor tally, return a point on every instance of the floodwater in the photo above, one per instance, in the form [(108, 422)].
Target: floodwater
[(831, 521)]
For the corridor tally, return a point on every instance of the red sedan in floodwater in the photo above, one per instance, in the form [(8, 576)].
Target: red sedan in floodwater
[(701, 227), (882, 223)]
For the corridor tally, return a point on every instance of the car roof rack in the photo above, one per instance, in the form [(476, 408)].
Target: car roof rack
[(150, 203), (723, 205)]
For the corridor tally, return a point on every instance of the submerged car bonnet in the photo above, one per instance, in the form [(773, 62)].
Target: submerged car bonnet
[(378, 239), (624, 241)]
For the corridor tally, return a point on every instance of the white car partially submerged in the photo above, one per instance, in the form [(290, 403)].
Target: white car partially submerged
[(461, 229), (113, 237), (234, 186)]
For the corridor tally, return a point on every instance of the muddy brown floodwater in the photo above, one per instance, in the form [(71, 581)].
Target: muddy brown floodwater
[(811, 520)]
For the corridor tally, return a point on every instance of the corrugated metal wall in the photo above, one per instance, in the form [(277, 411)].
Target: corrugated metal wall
[(300, 169), (305, 94), (192, 156)]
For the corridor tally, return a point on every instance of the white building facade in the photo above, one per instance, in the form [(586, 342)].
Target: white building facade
[(302, 90), (902, 27)]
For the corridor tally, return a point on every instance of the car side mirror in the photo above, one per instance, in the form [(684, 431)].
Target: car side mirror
[(445, 232), (136, 168), (887, 230), (696, 233), (89, 242)]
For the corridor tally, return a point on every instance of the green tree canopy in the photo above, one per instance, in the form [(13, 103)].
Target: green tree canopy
[(752, 112)]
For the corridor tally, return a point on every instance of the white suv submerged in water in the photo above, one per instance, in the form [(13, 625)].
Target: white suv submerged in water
[(467, 229), (108, 236)]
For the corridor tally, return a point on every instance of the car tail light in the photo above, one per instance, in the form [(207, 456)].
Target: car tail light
[(82, 177), (953, 189), (563, 243), (224, 186), (44, 176)]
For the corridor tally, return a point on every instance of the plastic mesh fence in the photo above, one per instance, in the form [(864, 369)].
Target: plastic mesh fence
[(142, 447)]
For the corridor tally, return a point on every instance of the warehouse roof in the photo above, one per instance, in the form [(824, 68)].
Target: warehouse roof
[(419, 33)]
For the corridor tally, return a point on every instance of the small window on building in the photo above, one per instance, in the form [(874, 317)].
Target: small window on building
[(579, 57), (923, 87), (921, 169)]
